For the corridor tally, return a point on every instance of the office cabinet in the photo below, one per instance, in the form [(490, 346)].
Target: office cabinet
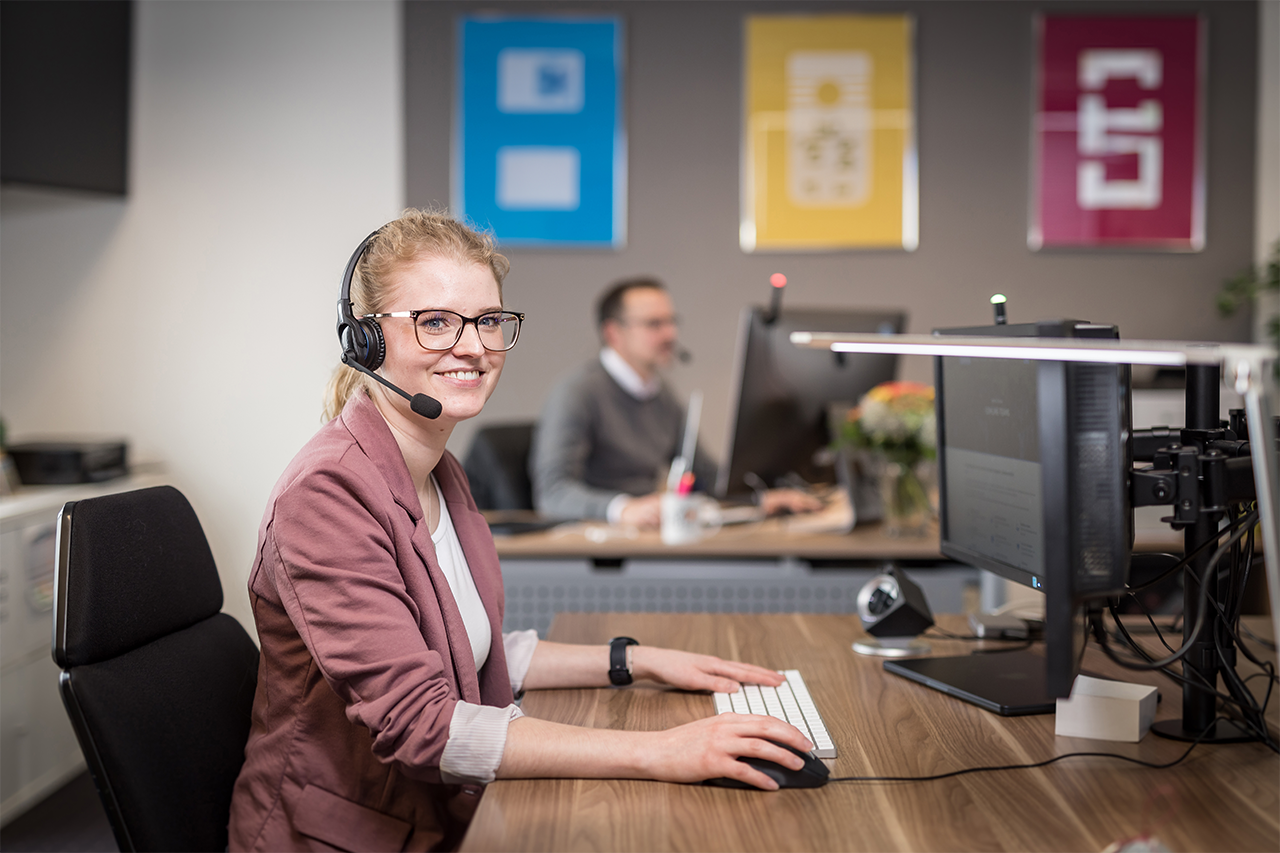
[(38, 749)]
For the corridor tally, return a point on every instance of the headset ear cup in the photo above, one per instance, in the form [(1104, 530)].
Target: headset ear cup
[(375, 348), (362, 341)]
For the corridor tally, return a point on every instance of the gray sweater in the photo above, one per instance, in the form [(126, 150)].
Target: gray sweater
[(595, 441)]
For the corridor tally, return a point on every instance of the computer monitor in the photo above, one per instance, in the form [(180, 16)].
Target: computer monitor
[(780, 394), (1034, 463)]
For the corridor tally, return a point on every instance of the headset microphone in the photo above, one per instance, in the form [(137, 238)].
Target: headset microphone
[(364, 348), (428, 407)]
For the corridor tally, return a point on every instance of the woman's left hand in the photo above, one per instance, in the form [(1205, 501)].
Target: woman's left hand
[(689, 671)]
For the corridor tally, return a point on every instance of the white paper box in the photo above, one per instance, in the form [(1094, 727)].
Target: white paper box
[(1106, 710)]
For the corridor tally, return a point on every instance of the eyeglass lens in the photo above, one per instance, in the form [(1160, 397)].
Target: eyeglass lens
[(440, 330)]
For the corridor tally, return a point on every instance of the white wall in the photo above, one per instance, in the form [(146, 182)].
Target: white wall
[(196, 316)]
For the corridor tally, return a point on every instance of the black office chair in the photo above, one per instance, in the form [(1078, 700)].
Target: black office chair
[(497, 466), (157, 682)]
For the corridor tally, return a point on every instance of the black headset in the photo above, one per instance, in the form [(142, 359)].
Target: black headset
[(363, 347), (361, 340)]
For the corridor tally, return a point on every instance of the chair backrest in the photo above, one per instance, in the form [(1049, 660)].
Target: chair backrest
[(497, 466), (157, 682)]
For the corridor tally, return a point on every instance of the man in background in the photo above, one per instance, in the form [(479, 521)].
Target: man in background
[(610, 429)]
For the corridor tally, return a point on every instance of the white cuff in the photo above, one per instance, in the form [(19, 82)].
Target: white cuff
[(519, 647), (613, 512), (477, 737)]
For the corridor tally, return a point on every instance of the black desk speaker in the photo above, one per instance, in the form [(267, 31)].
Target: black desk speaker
[(894, 612)]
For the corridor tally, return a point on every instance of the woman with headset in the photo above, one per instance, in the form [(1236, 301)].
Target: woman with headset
[(385, 694)]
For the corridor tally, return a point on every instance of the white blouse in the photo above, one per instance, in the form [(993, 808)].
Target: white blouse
[(477, 733)]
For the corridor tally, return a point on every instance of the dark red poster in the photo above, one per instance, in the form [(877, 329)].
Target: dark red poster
[(1118, 138)]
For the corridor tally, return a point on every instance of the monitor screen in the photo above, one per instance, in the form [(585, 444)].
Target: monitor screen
[(993, 475), (1034, 461), (781, 395)]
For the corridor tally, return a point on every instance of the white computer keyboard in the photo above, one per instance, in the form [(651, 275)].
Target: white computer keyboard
[(790, 702)]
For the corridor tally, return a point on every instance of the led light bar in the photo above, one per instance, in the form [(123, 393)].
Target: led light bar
[(1247, 368)]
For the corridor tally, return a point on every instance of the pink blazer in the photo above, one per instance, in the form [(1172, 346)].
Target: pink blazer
[(364, 652)]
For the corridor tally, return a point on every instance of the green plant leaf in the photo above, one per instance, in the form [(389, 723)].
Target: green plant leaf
[(1238, 289)]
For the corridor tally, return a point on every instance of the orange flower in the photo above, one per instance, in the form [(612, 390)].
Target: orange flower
[(891, 392), (894, 417)]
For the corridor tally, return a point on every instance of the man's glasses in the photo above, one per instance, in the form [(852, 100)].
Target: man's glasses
[(438, 329), (651, 324)]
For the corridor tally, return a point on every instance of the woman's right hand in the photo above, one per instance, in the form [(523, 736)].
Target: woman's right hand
[(709, 749)]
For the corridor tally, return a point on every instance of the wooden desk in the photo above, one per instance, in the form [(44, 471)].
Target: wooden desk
[(767, 566), (1220, 798), (774, 537), (747, 568)]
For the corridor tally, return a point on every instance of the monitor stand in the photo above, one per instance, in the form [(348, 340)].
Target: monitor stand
[(1011, 684)]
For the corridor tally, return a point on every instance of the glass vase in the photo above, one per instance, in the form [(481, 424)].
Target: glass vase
[(905, 498)]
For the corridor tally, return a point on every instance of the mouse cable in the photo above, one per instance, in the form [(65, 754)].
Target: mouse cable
[(1045, 763)]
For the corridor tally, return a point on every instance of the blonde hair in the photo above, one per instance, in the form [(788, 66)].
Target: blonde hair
[(417, 234)]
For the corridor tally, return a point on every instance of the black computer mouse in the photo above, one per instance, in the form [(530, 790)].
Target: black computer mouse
[(814, 774)]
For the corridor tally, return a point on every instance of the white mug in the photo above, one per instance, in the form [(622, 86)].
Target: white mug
[(688, 518)]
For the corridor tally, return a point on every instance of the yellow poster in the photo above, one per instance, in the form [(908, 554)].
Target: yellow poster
[(829, 156)]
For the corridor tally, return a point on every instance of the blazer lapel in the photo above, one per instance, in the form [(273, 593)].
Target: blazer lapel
[(374, 437)]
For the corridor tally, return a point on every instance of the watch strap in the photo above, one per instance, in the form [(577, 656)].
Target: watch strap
[(619, 672)]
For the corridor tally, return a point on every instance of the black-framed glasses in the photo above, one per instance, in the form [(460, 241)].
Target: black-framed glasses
[(439, 329)]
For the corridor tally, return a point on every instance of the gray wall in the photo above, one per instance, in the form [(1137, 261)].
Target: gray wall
[(683, 117)]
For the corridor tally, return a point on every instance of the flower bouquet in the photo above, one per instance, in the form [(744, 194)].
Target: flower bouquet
[(895, 422)]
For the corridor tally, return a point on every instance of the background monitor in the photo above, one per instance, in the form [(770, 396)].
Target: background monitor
[(1033, 465), (780, 393)]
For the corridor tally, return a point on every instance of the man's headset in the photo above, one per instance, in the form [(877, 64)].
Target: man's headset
[(363, 346)]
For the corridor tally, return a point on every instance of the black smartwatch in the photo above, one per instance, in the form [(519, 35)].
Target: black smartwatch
[(619, 672)]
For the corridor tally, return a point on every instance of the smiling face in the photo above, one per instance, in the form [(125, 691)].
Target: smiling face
[(461, 378)]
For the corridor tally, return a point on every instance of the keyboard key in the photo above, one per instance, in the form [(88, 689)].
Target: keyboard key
[(821, 738), (789, 702)]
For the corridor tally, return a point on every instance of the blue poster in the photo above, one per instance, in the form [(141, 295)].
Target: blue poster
[(539, 153)]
